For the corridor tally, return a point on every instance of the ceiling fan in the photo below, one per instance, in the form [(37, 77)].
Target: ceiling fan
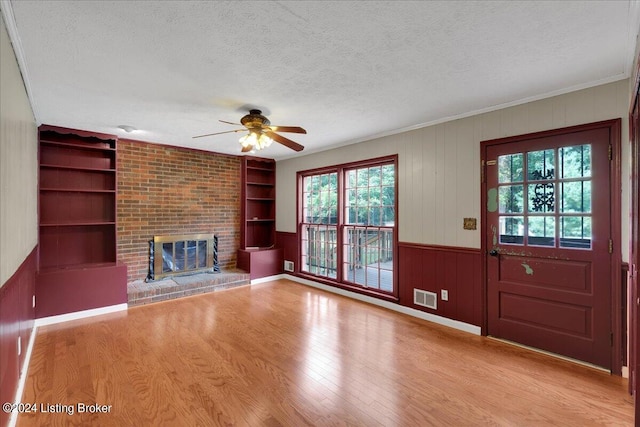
[(261, 133)]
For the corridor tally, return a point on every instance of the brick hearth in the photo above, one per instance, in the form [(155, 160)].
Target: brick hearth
[(140, 292)]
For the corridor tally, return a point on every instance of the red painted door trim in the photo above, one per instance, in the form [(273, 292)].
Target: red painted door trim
[(614, 127)]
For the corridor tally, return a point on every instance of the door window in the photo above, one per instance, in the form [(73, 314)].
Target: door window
[(539, 206)]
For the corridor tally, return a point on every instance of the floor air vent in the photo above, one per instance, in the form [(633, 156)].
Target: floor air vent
[(425, 298)]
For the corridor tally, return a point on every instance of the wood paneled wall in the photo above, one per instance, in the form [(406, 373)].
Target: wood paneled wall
[(18, 220), (439, 165), (437, 268), (16, 323), (18, 165)]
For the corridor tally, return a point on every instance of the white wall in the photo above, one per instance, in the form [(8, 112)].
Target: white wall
[(18, 165), (439, 166)]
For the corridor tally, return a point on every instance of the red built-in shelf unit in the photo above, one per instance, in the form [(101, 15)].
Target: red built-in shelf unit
[(77, 220), (258, 228)]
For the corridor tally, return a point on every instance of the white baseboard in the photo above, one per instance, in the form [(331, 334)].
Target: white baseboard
[(80, 314), (269, 279), (462, 326)]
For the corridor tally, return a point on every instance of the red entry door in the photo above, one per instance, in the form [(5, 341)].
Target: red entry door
[(548, 236)]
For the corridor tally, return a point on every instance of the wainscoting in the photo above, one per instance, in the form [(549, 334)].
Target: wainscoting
[(16, 324), (434, 268), (429, 268)]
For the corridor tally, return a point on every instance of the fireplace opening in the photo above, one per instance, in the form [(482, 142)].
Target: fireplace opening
[(182, 254)]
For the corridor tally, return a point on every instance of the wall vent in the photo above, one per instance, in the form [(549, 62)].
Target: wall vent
[(288, 266), (425, 298)]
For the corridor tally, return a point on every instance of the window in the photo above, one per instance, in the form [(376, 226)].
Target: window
[(347, 224)]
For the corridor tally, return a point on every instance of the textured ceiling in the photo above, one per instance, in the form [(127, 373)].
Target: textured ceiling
[(346, 71)]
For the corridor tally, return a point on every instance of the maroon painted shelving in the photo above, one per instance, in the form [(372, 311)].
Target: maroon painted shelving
[(258, 228), (257, 253), (77, 258)]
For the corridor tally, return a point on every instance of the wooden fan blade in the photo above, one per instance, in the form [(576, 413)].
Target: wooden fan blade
[(246, 149), (292, 129), (230, 123), (284, 141), (220, 133)]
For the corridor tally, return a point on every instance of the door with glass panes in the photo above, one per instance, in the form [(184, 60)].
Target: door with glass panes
[(547, 235)]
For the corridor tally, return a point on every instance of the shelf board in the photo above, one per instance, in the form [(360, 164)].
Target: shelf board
[(76, 146), (261, 199), (76, 224), (76, 190), (267, 184), (258, 168), (42, 165), (261, 220)]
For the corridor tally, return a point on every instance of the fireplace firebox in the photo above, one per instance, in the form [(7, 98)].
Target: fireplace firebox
[(182, 254)]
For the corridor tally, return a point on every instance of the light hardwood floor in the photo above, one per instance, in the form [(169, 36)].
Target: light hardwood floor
[(283, 354)]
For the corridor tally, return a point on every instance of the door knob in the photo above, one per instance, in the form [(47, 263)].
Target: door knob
[(494, 252)]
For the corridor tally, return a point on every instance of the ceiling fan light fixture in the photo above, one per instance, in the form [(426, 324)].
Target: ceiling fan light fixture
[(263, 142), (261, 133), (257, 140), (249, 140)]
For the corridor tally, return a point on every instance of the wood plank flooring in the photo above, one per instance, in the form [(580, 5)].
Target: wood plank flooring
[(283, 354)]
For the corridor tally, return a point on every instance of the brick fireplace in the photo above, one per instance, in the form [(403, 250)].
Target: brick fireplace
[(164, 190)]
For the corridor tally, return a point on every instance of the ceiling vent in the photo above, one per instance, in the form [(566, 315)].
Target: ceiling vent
[(425, 298)]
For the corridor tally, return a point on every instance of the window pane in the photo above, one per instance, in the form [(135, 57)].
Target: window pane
[(374, 176), (510, 168), (575, 232), (362, 197), (374, 196), (510, 198), (363, 177), (374, 216), (388, 215), (575, 161), (542, 197), (511, 229), (388, 196), (576, 197), (541, 230), (351, 179), (333, 181), (388, 175), (319, 250), (540, 165)]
